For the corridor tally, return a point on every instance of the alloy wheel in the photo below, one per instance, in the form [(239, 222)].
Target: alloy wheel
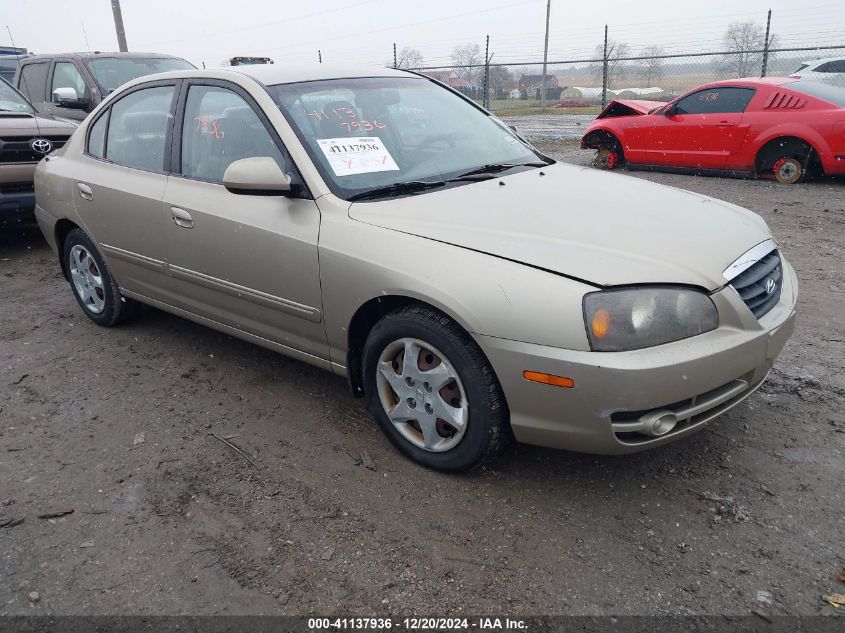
[(87, 280)]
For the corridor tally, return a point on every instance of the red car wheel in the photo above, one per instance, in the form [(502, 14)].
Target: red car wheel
[(788, 171), (607, 159)]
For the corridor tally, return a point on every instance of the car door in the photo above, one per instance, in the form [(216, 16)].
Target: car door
[(247, 261), (66, 74), (120, 183), (701, 130)]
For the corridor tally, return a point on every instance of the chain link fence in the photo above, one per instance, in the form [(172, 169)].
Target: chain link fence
[(558, 98)]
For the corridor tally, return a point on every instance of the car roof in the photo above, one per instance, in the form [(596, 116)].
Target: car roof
[(270, 74), (751, 82), (823, 60), (97, 55)]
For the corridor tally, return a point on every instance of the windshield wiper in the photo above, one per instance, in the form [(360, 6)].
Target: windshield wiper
[(488, 171), (397, 189)]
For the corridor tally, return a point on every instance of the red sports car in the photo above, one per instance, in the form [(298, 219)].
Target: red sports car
[(778, 128)]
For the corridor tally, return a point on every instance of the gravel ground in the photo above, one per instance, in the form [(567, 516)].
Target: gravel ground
[(119, 434), (550, 127)]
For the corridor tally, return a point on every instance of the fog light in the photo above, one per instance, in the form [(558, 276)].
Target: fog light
[(658, 423)]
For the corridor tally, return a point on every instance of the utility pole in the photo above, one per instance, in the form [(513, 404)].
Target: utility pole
[(545, 55), (319, 56), (604, 72), (394, 55), (766, 45), (118, 25)]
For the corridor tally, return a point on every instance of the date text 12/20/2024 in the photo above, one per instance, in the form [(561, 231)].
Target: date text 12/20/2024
[(417, 624)]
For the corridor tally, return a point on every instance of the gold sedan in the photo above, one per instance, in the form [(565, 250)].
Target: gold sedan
[(382, 226)]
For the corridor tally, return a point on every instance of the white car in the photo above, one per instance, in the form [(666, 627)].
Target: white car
[(829, 70)]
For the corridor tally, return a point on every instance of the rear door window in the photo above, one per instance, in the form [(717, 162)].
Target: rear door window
[(138, 128), (97, 136), (33, 81), (715, 100)]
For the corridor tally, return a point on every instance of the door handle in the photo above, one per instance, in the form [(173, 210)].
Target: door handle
[(85, 191), (725, 124), (181, 218)]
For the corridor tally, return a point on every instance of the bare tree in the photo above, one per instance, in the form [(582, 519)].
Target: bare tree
[(500, 81), (651, 68), (617, 68), (409, 58), (745, 41), (467, 55)]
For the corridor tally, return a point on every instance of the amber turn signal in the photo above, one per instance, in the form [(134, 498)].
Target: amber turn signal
[(548, 379), (601, 323)]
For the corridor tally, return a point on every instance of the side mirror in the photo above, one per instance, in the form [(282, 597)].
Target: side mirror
[(670, 110), (256, 176), (67, 98)]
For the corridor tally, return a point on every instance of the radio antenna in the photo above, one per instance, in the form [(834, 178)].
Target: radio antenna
[(23, 79), (85, 35)]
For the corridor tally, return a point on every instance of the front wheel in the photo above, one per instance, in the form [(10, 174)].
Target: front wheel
[(433, 392), (93, 286), (608, 158)]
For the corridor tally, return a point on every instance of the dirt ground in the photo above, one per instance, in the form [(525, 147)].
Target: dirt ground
[(121, 430)]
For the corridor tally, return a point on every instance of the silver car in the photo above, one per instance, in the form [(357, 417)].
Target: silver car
[(380, 225)]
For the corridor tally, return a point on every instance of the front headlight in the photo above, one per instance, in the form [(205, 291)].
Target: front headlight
[(633, 318)]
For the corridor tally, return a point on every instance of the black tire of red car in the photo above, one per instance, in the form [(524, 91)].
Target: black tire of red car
[(115, 307), (488, 432)]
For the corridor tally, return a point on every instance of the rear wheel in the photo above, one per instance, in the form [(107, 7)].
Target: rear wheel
[(788, 171), (92, 284), (433, 392)]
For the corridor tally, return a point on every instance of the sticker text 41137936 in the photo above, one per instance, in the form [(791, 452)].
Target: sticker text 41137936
[(356, 155)]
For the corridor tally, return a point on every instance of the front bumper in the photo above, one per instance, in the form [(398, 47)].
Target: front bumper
[(700, 378), (16, 199)]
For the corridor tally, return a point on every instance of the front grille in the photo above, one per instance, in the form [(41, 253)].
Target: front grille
[(759, 286), (16, 149), (16, 187)]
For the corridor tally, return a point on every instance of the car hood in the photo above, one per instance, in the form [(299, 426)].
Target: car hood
[(24, 124), (606, 229), (629, 107)]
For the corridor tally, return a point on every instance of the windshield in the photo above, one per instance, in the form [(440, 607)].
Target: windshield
[(112, 72), (11, 100), (371, 133), (821, 90)]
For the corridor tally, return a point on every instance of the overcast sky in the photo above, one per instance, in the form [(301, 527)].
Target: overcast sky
[(364, 30)]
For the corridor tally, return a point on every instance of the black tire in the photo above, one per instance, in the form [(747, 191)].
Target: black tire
[(488, 430), (116, 307)]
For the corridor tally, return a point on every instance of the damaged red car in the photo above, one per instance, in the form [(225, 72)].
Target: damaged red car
[(777, 128)]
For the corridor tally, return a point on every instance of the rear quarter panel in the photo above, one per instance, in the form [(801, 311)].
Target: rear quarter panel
[(818, 123)]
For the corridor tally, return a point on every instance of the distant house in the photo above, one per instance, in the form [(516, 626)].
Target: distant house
[(451, 79), (442, 76), (532, 85)]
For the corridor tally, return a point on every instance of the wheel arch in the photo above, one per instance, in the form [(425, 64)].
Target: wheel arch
[(766, 145), (593, 138), (61, 231), (365, 317)]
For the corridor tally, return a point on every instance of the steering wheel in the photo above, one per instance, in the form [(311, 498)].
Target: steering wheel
[(431, 140)]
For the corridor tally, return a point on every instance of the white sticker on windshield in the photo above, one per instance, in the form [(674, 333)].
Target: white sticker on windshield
[(357, 155)]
